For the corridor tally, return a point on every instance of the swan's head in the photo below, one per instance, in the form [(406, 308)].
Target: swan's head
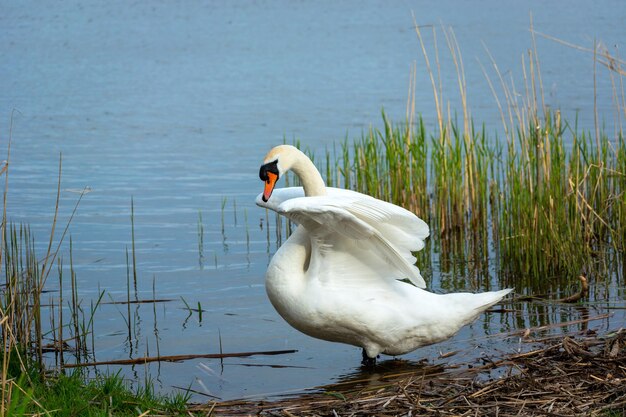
[(283, 158), (277, 161)]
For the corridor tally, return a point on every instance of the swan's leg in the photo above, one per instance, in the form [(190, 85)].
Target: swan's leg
[(367, 361)]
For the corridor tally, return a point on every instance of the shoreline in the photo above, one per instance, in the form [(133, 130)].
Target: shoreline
[(575, 374)]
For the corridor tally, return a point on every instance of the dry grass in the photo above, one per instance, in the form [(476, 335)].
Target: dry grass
[(581, 375)]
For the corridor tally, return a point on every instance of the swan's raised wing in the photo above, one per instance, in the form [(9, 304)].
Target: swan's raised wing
[(279, 196), (357, 233)]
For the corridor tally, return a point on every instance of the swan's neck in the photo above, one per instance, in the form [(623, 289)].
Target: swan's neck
[(309, 176), (285, 280)]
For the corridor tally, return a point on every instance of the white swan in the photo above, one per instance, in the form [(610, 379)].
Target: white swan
[(337, 276)]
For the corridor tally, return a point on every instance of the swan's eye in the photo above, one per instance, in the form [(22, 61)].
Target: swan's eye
[(270, 167)]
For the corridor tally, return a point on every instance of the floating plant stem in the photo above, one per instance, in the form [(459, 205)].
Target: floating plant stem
[(154, 313), (200, 239), (224, 200), (189, 310), (245, 217), (219, 335), (134, 253), (224, 244), (128, 319), (75, 306), (60, 269)]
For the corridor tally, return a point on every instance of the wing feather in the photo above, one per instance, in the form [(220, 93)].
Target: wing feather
[(366, 234)]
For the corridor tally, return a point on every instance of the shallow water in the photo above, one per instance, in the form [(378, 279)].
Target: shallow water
[(175, 104)]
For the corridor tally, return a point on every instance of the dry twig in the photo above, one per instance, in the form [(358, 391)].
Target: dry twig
[(572, 376)]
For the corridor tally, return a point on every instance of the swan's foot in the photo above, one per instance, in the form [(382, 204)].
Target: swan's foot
[(367, 362)]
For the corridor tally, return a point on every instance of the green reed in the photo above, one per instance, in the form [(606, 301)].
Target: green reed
[(560, 210), (547, 211), (28, 386), (549, 201), (19, 305), (545, 202), (540, 204)]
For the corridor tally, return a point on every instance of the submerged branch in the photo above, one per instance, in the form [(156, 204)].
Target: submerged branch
[(178, 358)]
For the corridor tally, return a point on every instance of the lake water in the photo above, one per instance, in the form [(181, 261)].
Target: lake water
[(174, 105)]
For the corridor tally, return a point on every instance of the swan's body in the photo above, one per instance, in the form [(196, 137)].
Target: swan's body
[(337, 276)]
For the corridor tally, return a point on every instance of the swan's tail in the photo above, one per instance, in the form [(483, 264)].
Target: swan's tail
[(470, 306), (483, 301)]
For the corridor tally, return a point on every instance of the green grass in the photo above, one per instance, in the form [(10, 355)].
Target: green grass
[(28, 386), (75, 394)]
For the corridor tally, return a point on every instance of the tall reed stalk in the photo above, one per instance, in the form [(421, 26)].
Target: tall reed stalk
[(23, 335), (549, 201)]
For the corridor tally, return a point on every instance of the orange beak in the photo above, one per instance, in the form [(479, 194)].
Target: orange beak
[(270, 182)]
